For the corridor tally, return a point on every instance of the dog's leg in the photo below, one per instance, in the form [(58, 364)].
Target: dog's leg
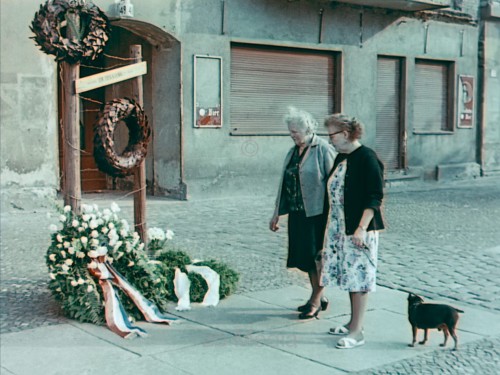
[(426, 332), (455, 337), (446, 334), (414, 340)]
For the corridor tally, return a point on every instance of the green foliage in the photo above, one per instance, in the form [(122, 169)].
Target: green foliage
[(228, 278), (171, 259)]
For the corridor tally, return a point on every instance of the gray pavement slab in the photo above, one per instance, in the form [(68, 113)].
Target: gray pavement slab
[(57, 350), (240, 355), (387, 334), (241, 315), (480, 321), (248, 334), (161, 337)]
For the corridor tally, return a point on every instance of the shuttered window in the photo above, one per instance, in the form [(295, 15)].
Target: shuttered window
[(432, 105), (265, 81), (388, 142)]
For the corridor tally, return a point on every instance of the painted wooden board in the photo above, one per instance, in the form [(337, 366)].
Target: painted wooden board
[(112, 76)]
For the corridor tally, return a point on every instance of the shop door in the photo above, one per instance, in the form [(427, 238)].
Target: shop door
[(266, 80), (390, 130)]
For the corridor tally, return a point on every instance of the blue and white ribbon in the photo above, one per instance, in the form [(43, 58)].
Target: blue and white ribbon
[(116, 317)]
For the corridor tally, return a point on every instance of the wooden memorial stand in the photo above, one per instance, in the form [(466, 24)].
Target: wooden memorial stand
[(71, 146)]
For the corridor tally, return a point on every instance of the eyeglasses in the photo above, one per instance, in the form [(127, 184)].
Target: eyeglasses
[(332, 134)]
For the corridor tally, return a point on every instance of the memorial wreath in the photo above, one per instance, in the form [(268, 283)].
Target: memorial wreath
[(89, 28)]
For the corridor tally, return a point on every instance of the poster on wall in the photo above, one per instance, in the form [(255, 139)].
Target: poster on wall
[(207, 91), (465, 101)]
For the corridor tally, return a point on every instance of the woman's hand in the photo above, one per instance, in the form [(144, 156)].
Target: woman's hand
[(358, 238), (273, 224)]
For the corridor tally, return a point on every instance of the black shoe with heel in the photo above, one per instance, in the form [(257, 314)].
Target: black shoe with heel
[(324, 303), (311, 312), (305, 307)]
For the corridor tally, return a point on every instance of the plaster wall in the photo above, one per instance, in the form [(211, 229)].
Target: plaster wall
[(491, 154), (28, 149), (212, 159)]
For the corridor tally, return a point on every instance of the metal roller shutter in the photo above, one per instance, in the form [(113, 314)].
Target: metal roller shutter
[(388, 137), (265, 81), (430, 105)]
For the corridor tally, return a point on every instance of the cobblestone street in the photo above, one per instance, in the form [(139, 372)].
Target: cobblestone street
[(442, 242)]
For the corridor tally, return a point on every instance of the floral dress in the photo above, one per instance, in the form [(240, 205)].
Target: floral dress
[(352, 268)]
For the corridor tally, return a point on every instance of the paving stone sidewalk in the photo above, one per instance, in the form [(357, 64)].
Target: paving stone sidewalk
[(442, 241)]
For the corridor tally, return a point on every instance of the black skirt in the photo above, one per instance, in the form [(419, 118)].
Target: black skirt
[(305, 239)]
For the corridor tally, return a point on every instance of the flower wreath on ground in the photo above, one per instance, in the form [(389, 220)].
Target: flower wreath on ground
[(78, 241)]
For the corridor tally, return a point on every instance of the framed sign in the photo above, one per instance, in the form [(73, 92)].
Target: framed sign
[(207, 91), (465, 101)]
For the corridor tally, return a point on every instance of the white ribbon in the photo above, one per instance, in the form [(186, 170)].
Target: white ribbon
[(182, 284), (181, 288), (212, 278)]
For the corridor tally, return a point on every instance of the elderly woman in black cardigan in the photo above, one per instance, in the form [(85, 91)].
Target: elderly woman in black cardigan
[(355, 190)]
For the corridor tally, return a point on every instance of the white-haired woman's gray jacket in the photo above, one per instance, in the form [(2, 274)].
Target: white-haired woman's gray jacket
[(313, 173)]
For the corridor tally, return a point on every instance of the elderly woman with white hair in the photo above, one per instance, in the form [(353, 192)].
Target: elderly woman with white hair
[(301, 195)]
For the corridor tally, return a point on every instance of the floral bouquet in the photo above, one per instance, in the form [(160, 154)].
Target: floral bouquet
[(76, 243)]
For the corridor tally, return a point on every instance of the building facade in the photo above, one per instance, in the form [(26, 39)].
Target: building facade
[(421, 75)]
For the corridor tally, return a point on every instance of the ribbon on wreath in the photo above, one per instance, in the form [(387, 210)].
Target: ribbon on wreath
[(182, 284), (116, 317)]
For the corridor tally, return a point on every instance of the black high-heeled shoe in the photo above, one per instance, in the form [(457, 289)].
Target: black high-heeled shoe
[(305, 307), (324, 303), (312, 312)]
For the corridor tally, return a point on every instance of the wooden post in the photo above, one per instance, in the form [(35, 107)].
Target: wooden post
[(140, 172), (71, 133)]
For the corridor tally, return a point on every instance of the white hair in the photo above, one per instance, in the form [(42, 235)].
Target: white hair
[(300, 118)]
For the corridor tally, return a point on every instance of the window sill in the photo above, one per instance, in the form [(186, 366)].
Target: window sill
[(431, 132)]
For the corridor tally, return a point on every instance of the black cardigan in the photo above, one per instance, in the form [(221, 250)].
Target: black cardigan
[(364, 187)]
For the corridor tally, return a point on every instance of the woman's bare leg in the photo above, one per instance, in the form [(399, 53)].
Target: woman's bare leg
[(317, 290), (358, 310)]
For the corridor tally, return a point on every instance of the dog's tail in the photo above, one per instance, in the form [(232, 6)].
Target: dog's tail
[(458, 310)]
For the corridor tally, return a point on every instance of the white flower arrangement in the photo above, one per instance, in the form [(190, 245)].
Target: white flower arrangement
[(78, 244), (75, 248), (157, 239)]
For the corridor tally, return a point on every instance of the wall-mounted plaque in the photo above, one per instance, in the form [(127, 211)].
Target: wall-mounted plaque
[(207, 91)]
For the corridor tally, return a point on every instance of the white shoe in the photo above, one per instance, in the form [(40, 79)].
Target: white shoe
[(349, 343)]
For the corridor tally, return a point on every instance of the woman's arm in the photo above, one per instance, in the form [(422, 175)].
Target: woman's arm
[(358, 237)]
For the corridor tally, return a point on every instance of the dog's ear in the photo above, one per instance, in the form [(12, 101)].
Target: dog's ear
[(415, 298)]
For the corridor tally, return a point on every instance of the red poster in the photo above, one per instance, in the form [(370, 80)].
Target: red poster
[(465, 101)]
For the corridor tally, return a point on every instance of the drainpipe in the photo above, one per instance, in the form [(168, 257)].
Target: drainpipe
[(481, 89)]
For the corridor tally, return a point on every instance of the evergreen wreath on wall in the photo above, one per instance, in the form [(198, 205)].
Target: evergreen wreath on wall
[(88, 24)]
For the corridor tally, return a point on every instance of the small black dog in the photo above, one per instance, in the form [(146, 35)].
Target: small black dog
[(428, 315)]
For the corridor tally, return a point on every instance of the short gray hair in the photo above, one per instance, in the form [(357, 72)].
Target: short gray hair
[(301, 118)]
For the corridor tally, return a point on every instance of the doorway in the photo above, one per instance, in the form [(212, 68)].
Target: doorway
[(162, 105)]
